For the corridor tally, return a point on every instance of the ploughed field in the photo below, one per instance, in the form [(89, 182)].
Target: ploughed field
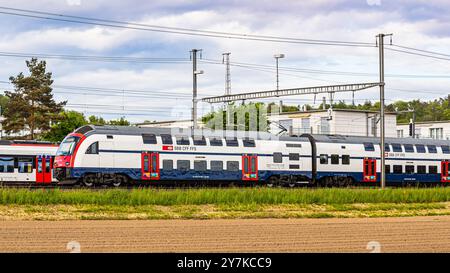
[(394, 234)]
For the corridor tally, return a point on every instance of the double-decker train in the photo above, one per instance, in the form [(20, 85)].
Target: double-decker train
[(117, 155), (26, 162)]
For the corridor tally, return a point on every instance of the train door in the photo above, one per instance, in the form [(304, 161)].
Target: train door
[(150, 166), (249, 167), (445, 167), (369, 170), (44, 169)]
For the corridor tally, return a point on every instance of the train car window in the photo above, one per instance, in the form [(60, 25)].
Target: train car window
[(409, 148), (232, 166), (294, 156), (93, 148), (387, 169), (47, 164), (343, 147), (387, 148), (6, 164), (445, 149), (398, 169), (154, 163), (245, 165), (421, 169), (397, 148), (146, 164), (432, 149), (420, 148), (232, 142), (149, 138), (345, 159), (182, 140), (432, 169), (183, 165), (216, 165), (200, 165), (25, 165), (323, 159), (253, 164), (109, 137), (409, 169), (368, 146), (294, 166), (293, 145), (166, 139), (248, 142), (334, 159), (277, 158), (167, 164), (215, 142), (199, 140)]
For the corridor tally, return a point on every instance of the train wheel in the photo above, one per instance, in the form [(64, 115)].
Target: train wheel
[(273, 181), (89, 180), (119, 180)]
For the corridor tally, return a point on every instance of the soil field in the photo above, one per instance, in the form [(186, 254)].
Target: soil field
[(405, 234)]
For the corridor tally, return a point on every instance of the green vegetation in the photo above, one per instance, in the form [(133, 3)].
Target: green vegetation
[(227, 196), (55, 204), (71, 120), (31, 105)]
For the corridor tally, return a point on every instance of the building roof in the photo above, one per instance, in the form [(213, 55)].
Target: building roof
[(426, 122)]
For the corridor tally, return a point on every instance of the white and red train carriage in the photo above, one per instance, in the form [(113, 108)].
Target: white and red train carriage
[(26, 162)]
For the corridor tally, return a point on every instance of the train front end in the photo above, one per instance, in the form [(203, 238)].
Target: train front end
[(65, 158)]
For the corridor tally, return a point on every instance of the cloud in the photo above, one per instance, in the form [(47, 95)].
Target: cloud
[(420, 24)]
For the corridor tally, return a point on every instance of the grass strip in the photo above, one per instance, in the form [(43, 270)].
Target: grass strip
[(224, 196)]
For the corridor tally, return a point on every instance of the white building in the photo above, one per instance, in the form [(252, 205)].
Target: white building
[(335, 122), (426, 129)]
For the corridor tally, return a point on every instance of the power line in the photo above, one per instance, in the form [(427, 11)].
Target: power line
[(418, 54), (184, 31), (96, 58), (164, 93), (326, 72), (421, 50)]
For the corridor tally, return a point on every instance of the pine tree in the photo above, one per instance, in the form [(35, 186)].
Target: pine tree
[(31, 105)]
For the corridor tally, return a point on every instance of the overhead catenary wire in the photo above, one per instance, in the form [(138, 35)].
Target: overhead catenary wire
[(165, 29)]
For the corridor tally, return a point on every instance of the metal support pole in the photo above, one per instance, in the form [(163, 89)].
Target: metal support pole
[(194, 87), (382, 126), (226, 61), (278, 82)]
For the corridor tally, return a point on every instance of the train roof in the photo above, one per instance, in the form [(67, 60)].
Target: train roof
[(27, 142), (138, 130), (376, 140)]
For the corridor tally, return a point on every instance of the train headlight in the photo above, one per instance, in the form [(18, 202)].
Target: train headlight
[(67, 164)]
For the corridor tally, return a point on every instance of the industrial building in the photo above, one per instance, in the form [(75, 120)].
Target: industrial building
[(334, 122), (426, 129)]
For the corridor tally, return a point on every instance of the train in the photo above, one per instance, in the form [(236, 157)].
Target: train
[(27, 162), (117, 155)]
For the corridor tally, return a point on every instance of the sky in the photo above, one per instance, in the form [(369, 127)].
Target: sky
[(162, 91)]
